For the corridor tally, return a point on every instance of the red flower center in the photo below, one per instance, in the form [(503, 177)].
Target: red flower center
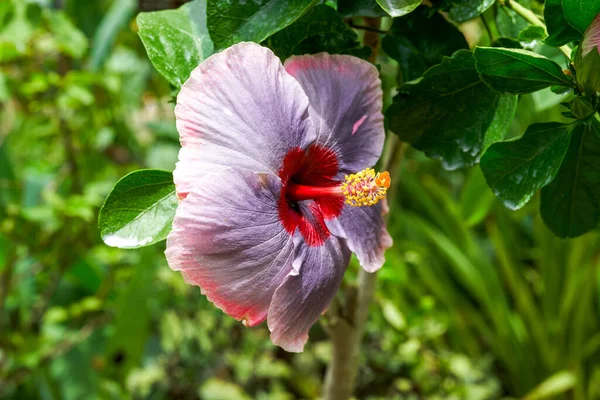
[(309, 195)]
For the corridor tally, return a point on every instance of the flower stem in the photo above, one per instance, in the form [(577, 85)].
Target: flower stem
[(530, 17), (347, 326)]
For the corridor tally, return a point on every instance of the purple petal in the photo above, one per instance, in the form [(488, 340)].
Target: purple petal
[(365, 232), (307, 291), (227, 239), (345, 106), (240, 108)]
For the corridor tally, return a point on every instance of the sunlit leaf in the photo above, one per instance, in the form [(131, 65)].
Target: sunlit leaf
[(176, 40), (139, 210), (398, 8)]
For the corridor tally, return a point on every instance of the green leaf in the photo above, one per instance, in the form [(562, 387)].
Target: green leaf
[(176, 40), (398, 8), (16, 29), (580, 13), (532, 35), (410, 59), (9, 193), (515, 170), (463, 10), (517, 71), (70, 39), (509, 23), (588, 71), (582, 107), (559, 383), (132, 324), (430, 33), (450, 114), (360, 8), (559, 30), (320, 29), (235, 21), (476, 199), (139, 210), (118, 16), (570, 205)]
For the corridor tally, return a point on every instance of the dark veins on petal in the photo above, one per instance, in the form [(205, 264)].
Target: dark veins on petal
[(317, 166)]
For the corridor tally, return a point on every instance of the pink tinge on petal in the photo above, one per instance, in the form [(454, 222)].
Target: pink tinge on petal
[(306, 292), (345, 106), (591, 38), (358, 123), (227, 239)]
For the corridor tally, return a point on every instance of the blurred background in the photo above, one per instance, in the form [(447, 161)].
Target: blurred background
[(474, 302)]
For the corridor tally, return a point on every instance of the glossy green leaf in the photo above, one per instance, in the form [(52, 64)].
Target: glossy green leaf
[(234, 21), (360, 8), (517, 71), (515, 170), (560, 32), (176, 40), (398, 8), (118, 16), (580, 13), (450, 114), (139, 210), (463, 10), (570, 205), (430, 34), (320, 29)]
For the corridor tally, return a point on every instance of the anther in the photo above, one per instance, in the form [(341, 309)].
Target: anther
[(366, 187)]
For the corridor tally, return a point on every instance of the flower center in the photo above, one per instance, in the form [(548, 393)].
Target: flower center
[(310, 194), (364, 188)]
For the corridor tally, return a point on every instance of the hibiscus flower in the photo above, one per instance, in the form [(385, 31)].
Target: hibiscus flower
[(272, 182)]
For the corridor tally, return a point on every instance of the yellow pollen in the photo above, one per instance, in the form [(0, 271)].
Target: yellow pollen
[(365, 188)]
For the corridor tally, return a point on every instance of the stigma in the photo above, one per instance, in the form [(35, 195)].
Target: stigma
[(366, 187)]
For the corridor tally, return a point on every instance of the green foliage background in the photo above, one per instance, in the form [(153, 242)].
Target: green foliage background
[(476, 301)]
